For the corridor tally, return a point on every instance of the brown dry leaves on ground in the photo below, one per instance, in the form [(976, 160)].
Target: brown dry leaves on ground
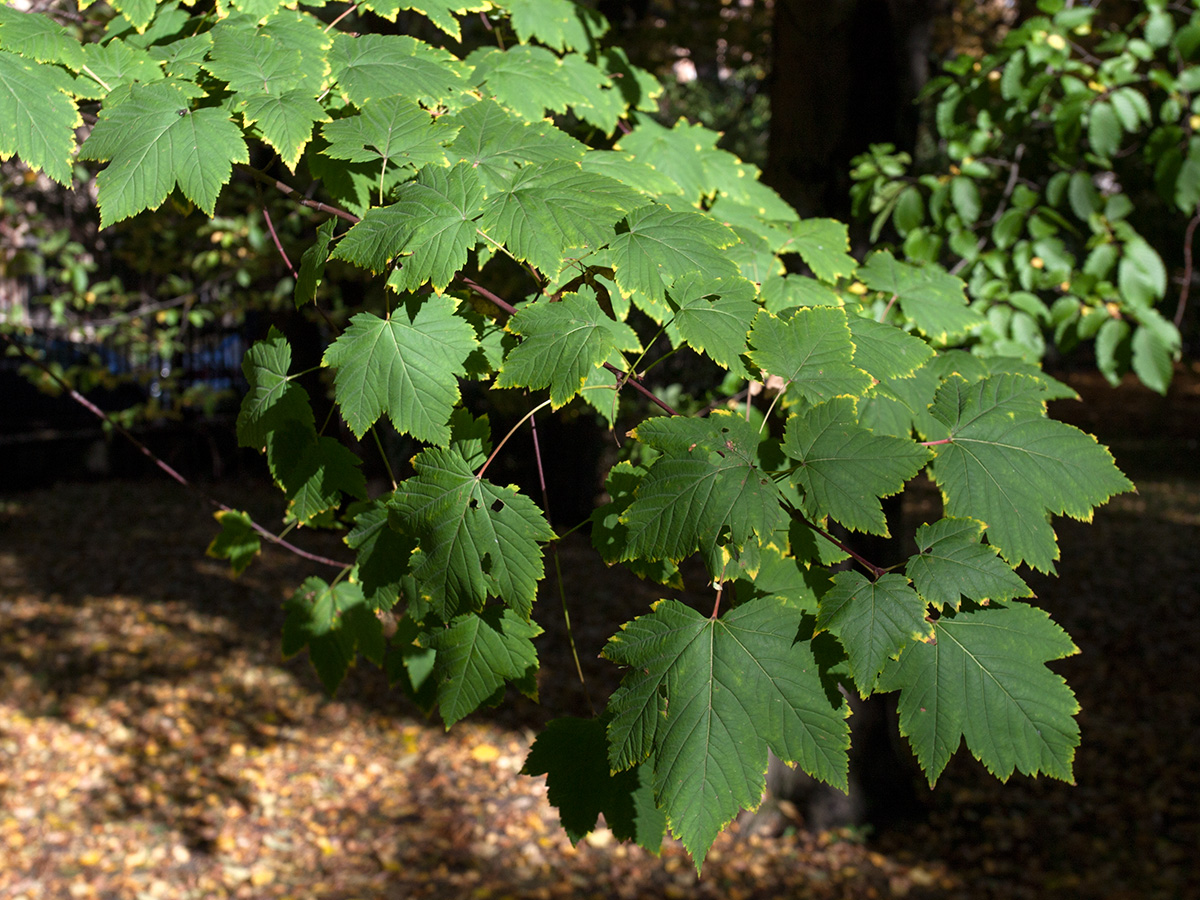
[(154, 745)]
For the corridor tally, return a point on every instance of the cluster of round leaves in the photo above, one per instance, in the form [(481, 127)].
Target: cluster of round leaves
[(1052, 152)]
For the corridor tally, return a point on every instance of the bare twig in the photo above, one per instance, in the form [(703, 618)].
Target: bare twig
[(159, 462), (1186, 287), (298, 197)]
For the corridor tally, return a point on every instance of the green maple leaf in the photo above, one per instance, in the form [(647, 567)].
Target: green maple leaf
[(237, 542), (37, 117), (984, 679), (562, 343), (560, 24), (431, 227), (156, 144), (476, 654), (382, 556), (951, 563), (1009, 466), (38, 37), (633, 173), (884, 351), (874, 620), (497, 144), (391, 130), (285, 121), (707, 697), (526, 79), (573, 755), (811, 350), (824, 244), (113, 65), (707, 480), (711, 316), (549, 207), (272, 398), (662, 245), (335, 623), (312, 264), (442, 13), (594, 97), (685, 153), (313, 471), (844, 468), (251, 61), (932, 298), (373, 66), (406, 366), (475, 539)]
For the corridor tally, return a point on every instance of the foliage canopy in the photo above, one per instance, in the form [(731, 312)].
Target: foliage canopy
[(537, 231)]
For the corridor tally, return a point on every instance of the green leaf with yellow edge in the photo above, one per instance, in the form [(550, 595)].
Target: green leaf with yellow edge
[(932, 298), (237, 542), (983, 677), (562, 343), (442, 13), (873, 620), (251, 61), (824, 245), (1009, 466), (951, 563), (430, 228), (335, 623), (156, 143), (496, 143), (476, 654), (285, 121), (845, 469), (548, 207), (561, 24), (662, 245), (394, 130), (884, 351), (406, 367), (525, 79), (711, 316), (475, 539), (38, 37), (811, 350), (37, 117), (373, 66), (707, 480), (708, 697)]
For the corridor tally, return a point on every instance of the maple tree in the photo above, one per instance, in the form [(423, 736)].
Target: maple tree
[(538, 231)]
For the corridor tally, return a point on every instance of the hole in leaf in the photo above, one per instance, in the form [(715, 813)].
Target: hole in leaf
[(497, 505), (473, 503), (485, 563)]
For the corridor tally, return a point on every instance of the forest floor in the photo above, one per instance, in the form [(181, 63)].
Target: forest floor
[(153, 744)]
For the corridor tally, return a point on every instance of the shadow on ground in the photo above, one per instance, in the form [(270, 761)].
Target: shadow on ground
[(153, 743)]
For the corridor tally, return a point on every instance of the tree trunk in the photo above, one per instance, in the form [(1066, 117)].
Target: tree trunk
[(845, 75)]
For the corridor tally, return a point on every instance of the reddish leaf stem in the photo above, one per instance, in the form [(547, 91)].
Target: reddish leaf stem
[(935, 443), (876, 571), (294, 194), (278, 244), (162, 464)]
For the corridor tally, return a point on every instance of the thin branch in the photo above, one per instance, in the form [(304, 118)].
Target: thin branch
[(351, 8), (876, 571), (290, 191), (162, 464), (278, 244), (1181, 307), (488, 295)]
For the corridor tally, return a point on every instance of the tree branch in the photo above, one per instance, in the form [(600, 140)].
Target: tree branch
[(162, 464)]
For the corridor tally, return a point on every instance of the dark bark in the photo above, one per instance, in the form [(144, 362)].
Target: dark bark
[(845, 75)]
